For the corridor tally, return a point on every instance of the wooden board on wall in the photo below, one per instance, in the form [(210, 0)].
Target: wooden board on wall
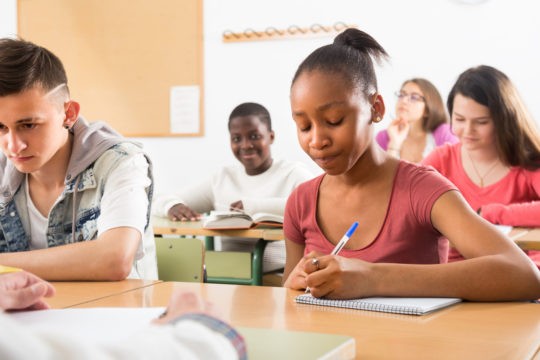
[(122, 56)]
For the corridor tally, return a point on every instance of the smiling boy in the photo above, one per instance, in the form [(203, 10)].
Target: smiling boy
[(258, 184)]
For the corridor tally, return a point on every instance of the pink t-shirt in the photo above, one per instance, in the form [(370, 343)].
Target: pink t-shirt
[(513, 200), (406, 236)]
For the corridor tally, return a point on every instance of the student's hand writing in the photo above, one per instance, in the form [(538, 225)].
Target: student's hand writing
[(397, 132), (183, 213), (237, 205), (23, 290), (182, 303), (297, 277), (337, 277)]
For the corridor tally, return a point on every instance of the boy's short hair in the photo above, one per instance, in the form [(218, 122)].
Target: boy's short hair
[(24, 65), (251, 109)]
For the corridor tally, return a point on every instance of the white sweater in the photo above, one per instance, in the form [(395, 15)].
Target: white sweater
[(266, 192)]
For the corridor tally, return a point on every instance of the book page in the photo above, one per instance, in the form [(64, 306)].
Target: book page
[(260, 217)]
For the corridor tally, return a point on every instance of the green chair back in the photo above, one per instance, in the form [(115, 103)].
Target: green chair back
[(228, 264), (180, 259), (230, 267)]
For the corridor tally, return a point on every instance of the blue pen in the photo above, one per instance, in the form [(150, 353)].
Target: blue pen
[(344, 239), (339, 245)]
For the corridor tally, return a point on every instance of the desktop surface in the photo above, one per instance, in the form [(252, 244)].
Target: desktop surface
[(463, 331)]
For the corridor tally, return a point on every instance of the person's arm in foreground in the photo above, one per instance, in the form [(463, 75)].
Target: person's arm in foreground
[(495, 269), (188, 331)]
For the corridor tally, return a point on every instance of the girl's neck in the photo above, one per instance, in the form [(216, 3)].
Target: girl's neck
[(416, 129), (483, 155), (367, 169)]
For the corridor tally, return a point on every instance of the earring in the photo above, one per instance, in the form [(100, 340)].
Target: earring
[(66, 127), (377, 119)]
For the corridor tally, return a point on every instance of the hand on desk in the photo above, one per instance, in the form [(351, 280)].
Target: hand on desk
[(237, 205), (181, 212), (182, 303), (23, 291)]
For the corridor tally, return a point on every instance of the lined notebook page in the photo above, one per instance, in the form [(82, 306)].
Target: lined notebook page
[(397, 305)]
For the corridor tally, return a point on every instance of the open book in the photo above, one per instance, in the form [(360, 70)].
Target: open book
[(240, 220), (397, 305)]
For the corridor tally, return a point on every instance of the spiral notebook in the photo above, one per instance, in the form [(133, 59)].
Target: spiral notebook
[(397, 305)]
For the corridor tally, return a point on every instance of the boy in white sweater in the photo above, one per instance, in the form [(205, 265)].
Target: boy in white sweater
[(261, 184)]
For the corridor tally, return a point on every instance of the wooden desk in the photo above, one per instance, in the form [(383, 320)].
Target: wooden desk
[(163, 226), (71, 293), (463, 331), (526, 238)]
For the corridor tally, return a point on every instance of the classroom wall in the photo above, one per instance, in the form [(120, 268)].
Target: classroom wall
[(8, 17), (435, 39)]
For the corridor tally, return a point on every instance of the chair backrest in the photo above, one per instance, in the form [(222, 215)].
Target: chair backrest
[(180, 259)]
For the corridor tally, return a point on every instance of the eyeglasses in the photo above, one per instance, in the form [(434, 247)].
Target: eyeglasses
[(412, 97)]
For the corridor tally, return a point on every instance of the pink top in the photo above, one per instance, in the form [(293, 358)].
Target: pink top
[(513, 200), (441, 135), (406, 236)]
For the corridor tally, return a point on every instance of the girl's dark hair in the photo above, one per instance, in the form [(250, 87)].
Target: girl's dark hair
[(24, 65), (516, 135), (251, 109), (435, 112), (350, 55)]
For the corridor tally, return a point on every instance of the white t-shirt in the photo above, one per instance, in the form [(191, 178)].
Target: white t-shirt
[(266, 192), (127, 181)]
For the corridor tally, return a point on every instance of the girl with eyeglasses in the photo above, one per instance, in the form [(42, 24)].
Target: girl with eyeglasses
[(421, 123)]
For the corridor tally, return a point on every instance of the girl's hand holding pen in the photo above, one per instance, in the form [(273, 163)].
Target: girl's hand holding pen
[(297, 278), (327, 277)]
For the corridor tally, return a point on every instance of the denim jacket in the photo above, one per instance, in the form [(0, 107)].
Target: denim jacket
[(97, 150)]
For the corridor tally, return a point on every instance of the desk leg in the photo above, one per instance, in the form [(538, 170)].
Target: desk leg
[(209, 243), (257, 262)]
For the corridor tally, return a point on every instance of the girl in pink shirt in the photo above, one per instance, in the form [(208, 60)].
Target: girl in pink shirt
[(497, 164), (403, 209)]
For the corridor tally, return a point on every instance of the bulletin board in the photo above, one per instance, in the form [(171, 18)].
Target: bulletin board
[(123, 58)]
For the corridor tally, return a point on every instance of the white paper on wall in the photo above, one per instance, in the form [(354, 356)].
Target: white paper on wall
[(184, 110)]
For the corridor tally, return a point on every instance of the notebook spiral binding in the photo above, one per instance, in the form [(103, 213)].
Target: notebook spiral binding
[(362, 305)]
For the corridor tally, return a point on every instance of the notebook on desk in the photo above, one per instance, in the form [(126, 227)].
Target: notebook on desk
[(396, 305)]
